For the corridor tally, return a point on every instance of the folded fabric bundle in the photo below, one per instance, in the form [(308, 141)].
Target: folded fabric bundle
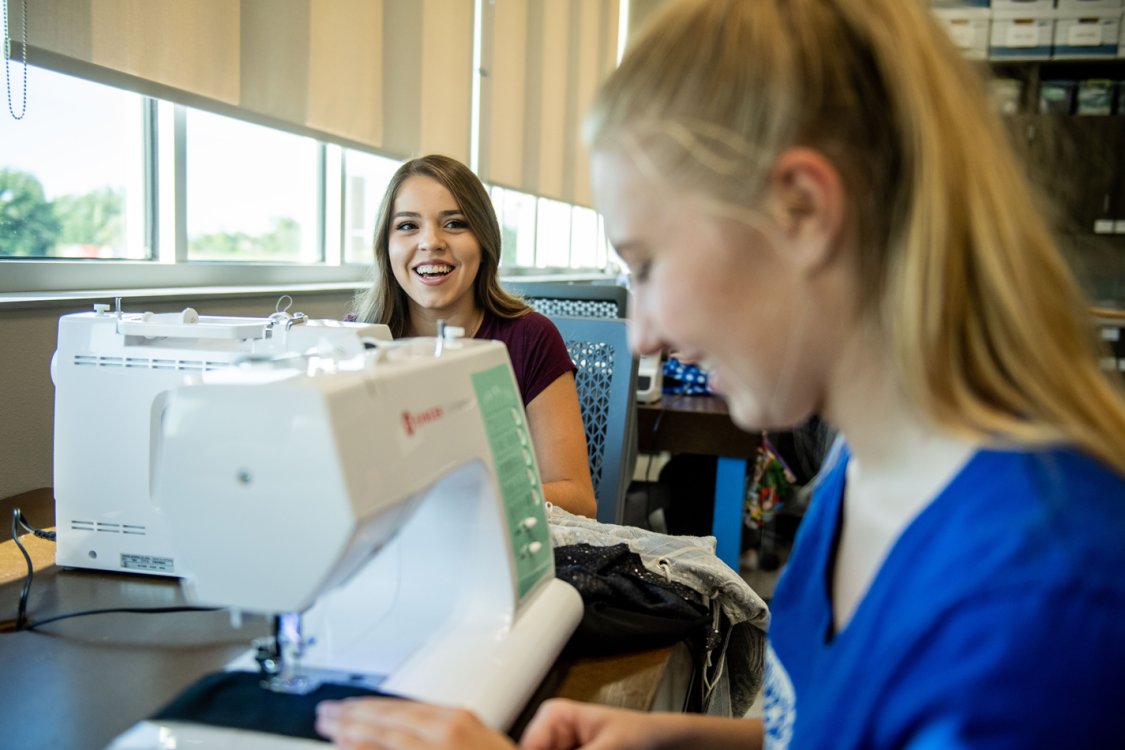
[(628, 607), (732, 661)]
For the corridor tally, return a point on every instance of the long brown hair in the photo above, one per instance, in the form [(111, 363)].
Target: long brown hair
[(385, 301), (987, 326)]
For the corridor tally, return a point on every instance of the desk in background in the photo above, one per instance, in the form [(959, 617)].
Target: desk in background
[(701, 424), (78, 683)]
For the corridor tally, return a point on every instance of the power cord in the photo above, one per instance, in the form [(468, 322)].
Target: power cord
[(18, 522), (17, 517), (22, 623), (115, 610)]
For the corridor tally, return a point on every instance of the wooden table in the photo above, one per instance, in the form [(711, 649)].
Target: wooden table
[(701, 424), (80, 682)]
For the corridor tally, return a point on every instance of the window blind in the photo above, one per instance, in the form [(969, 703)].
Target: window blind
[(389, 75), (541, 63)]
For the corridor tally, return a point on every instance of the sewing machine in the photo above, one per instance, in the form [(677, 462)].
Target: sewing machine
[(112, 372), (388, 507)]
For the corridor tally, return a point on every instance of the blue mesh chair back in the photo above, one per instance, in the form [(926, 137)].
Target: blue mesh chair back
[(572, 300), (607, 393)]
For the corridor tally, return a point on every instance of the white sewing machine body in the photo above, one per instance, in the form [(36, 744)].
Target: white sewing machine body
[(391, 498), (112, 373)]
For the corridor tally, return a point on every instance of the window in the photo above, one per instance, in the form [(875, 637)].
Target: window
[(72, 173), (252, 192), (542, 233), (366, 177), (552, 234), (175, 196), (516, 214), (588, 244)]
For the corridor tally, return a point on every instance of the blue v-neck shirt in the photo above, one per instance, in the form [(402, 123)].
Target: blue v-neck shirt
[(997, 619)]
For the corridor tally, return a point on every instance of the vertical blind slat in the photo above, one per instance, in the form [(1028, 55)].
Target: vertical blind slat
[(394, 76), (547, 59)]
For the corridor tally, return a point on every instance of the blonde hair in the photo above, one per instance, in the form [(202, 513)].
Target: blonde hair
[(985, 321), (385, 301)]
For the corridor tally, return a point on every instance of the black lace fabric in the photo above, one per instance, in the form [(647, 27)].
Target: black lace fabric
[(628, 607)]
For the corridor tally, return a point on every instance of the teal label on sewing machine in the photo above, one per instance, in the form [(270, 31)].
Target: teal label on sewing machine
[(505, 425)]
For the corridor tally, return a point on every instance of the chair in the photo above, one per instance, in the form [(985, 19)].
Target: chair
[(607, 393), (581, 300)]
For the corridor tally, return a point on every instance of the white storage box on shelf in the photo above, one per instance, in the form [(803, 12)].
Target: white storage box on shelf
[(1022, 6), (1088, 36), (968, 27), (1022, 36), (1088, 6)]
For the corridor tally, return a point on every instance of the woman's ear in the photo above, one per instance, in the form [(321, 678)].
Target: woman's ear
[(808, 203)]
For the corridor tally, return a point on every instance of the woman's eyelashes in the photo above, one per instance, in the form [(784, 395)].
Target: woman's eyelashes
[(450, 224), (641, 271)]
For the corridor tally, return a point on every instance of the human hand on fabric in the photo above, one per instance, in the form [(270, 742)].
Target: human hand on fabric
[(566, 725), (392, 724)]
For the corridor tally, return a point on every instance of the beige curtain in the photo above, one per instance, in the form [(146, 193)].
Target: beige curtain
[(542, 61), (391, 75), (640, 12)]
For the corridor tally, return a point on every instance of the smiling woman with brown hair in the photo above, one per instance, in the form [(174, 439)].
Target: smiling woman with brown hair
[(437, 258)]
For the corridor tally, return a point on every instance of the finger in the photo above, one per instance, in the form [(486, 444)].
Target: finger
[(359, 724), (360, 736), (403, 725), (363, 729), (552, 727), (425, 719)]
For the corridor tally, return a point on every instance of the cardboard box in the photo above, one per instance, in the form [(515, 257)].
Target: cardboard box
[(1094, 97), (1091, 36), (1088, 6), (1022, 36), (969, 28), (1022, 6), (1056, 97), (1006, 95)]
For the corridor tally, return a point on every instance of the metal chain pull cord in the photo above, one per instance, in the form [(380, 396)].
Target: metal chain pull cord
[(8, 62)]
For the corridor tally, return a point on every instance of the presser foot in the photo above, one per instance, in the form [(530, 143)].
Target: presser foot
[(302, 681), (283, 675)]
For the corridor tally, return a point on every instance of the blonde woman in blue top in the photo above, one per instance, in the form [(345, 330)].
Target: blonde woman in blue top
[(814, 196)]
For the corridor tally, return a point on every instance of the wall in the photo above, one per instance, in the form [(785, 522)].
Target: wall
[(27, 341)]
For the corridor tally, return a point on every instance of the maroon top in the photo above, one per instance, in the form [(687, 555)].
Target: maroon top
[(535, 346)]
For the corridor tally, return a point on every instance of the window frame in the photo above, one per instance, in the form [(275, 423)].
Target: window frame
[(164, 145)]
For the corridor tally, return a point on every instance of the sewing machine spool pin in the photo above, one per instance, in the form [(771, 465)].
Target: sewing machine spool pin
[(282, 319)]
